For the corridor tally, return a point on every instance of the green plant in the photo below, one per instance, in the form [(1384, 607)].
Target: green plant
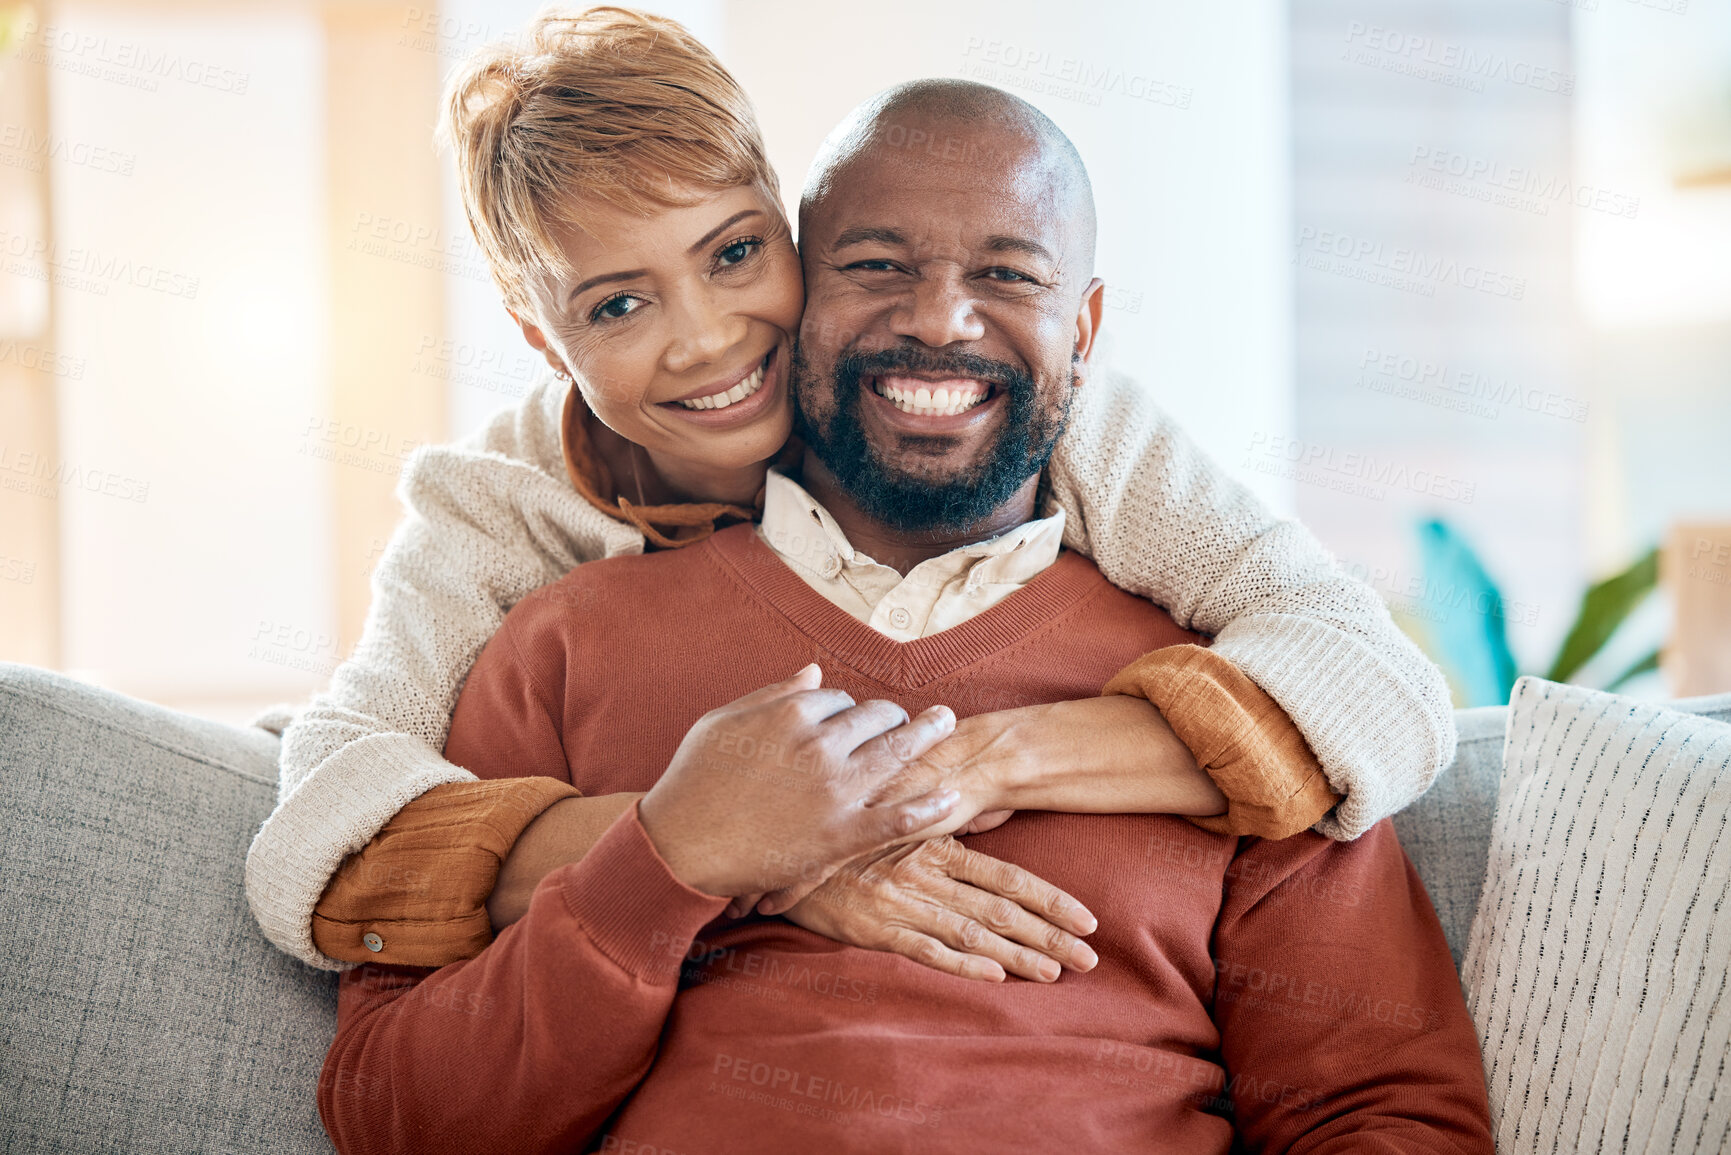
[(1464, 628)]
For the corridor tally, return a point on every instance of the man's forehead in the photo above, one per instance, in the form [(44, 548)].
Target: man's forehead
[(1005, 203)]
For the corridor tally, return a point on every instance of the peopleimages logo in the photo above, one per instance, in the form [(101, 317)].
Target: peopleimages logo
[(1425, 57), (1066, 77), (126, 62), (89, 270), (38, 475), (1343, 253), (1511, 186), (1465, 390), (23, 147), (1360, 474)]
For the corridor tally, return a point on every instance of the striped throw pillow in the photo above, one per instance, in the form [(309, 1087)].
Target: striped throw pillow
[(1598, 969)]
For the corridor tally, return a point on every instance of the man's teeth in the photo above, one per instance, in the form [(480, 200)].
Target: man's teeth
[(722, 400), (923, 401)]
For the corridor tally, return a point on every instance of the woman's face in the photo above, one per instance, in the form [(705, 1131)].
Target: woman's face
[(678, 326)]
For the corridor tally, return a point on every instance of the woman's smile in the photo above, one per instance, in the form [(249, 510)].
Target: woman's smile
[(751, 395), (720, 396)]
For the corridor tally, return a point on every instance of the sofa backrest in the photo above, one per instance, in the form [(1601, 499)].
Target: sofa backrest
[(144, 1011), (1447, 832)]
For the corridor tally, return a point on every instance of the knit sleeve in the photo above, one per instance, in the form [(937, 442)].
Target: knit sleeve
[(1164, 522), (486, 522)]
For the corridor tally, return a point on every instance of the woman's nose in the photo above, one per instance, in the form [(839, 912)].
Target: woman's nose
[(703, 332)]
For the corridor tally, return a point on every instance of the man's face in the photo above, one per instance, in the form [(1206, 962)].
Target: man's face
[(947, 304)]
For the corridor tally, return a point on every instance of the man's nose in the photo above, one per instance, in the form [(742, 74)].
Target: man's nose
[(703, 330), (939, 311)]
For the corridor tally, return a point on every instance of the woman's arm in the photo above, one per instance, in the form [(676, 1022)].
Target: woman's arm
[(1164, 522), (1107, 755), (564, 832), (487, 521)]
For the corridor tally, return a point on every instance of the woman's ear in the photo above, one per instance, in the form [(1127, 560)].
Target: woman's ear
[(538, 340), (1088, 317)]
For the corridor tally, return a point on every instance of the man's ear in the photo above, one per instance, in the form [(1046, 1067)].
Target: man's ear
[(1088, 317), (538, 340)]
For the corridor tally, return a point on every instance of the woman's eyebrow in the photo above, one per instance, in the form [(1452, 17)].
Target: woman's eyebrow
[(721, 228), (602, 279)]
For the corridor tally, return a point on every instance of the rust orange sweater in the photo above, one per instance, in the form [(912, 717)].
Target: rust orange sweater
[(1295, 992)]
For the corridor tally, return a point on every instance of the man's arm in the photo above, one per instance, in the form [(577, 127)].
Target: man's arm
[(1342, 1026), (534, 1042)]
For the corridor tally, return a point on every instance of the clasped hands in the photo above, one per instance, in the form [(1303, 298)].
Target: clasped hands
[(840, 815)]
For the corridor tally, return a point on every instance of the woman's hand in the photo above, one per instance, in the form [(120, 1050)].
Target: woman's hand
[(953, 909)]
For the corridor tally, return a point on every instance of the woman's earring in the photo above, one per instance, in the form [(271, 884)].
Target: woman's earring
[(562, 375)]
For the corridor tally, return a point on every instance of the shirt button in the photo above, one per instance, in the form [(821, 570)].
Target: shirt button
[(831, 566), (373, 942), (899, 618)]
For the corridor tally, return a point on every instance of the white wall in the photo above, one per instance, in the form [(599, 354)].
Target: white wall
[(1653, 119), (200, 394)]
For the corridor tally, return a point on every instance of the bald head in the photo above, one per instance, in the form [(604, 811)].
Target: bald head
[(941, 122)]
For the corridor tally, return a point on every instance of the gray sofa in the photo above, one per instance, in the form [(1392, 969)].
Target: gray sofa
[(144, 1012)]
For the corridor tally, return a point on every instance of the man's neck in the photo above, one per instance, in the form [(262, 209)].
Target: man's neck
[(899, 549)]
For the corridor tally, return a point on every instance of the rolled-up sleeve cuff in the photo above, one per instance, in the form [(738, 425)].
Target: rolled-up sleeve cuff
[(416, 895), (1239, 736), (631, 905)]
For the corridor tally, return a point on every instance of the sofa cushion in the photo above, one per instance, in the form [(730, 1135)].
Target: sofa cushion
[(1597, 963), (144, 1011), (1447, 832)]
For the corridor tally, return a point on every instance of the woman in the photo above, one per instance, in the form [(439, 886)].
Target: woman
[(613, 174)]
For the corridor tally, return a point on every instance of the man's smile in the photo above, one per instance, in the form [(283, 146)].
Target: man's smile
[(943, 397), (918, 405)]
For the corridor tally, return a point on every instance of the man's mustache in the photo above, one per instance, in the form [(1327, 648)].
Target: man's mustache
[(855, 364)]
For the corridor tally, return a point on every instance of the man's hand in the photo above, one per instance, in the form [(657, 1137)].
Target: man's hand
[(782, 785), (952, 909)]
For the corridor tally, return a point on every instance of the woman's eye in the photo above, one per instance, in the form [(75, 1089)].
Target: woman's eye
[(736, 252), (615, 307)]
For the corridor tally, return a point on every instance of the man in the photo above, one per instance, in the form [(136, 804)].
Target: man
[(1263, 994)]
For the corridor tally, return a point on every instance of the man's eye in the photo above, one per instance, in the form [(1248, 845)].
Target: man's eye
[(615, 307), (874, 266), (1007, 275), (738, 251)]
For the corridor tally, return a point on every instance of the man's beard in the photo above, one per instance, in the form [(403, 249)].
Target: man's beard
[(905, 501)]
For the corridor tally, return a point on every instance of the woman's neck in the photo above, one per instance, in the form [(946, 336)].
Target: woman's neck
[(649, 478)]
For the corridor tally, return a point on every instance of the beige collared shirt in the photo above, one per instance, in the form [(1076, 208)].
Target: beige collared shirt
[(937, 594)]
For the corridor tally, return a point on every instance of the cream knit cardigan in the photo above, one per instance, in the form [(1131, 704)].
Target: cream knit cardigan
[(494, 517)]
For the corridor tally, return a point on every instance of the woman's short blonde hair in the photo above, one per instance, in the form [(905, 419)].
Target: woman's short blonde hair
[(608, 105)]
